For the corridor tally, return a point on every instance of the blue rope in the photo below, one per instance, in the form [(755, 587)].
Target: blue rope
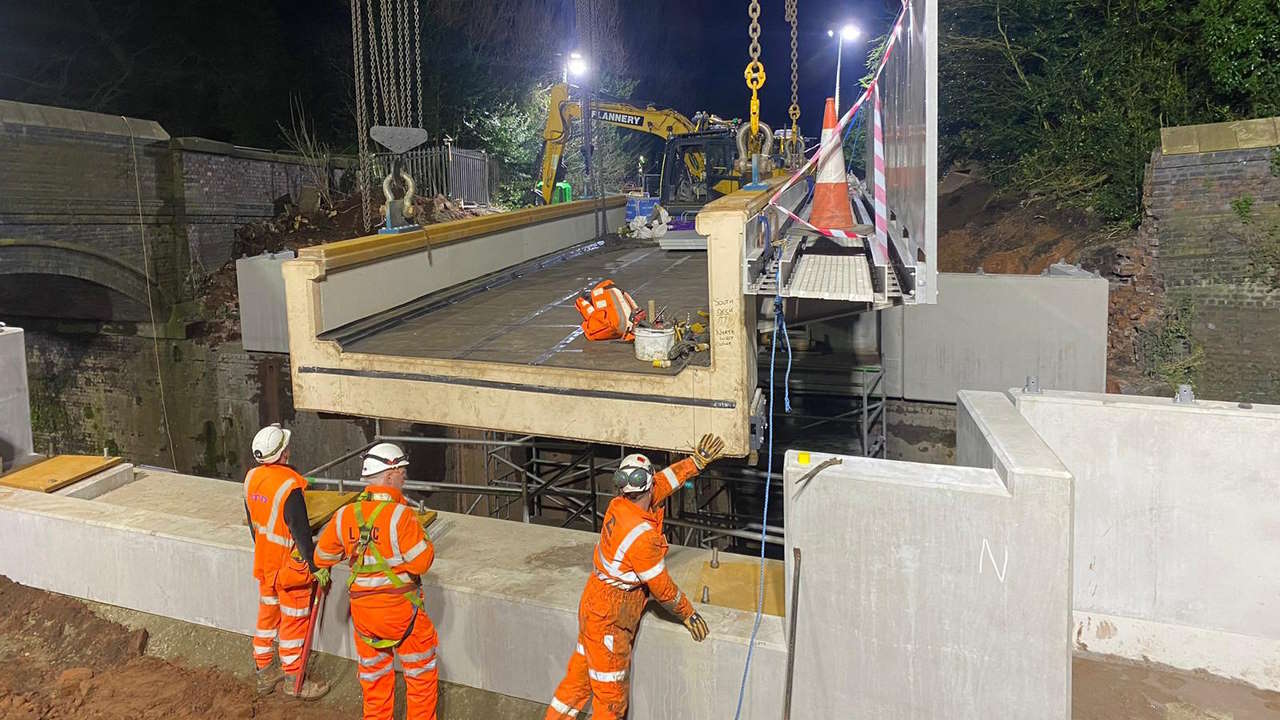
[(779, 321)]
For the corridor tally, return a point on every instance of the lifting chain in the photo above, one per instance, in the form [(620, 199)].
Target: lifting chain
[(754, 72), (794, 111), (362, 116), (417, 57), (406, 117)]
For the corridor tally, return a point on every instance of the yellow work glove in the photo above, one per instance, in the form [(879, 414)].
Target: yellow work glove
[(322, 577), (697, 627), (710, 448)]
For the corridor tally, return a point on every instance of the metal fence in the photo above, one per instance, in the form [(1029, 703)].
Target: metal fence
[(469, 175)]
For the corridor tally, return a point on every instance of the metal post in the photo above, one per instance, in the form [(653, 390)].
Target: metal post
[(839, 53), (524, 496), (591, 471), (866, 432)]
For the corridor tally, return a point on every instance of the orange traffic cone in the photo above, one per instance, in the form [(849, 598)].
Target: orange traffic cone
[(831, 208)]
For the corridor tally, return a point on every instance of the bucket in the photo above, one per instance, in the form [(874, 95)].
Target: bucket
[(654, 343)]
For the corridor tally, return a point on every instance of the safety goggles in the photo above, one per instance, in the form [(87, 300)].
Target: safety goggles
[(633, 477), (389, 462)]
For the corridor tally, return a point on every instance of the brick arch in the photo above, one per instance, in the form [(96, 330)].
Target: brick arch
[(50, 257)]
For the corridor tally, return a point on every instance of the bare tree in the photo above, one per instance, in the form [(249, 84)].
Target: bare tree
[(300, 136)]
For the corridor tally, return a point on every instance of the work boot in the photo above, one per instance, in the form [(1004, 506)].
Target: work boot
[(311, 689), (269, 677)]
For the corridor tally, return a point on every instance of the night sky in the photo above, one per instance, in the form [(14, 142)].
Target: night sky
[(706, 41), (226, 69)]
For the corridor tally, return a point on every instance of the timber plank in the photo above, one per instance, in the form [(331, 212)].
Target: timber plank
[(54, 473)]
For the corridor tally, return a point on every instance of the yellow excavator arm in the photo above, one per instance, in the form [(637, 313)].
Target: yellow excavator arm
[(563, 111)]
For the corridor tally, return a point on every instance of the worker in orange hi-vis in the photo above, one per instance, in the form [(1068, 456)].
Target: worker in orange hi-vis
[(282, 563), (629, 560), (389, 553), (608, 313)]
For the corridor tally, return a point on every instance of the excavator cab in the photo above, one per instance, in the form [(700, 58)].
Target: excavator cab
[(684, 190)]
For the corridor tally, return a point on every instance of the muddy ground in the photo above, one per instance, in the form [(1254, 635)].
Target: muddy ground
[(981, 229), (63, 658), (59, 660), (1103, 689)]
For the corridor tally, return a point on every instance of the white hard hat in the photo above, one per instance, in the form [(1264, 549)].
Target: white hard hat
[(270, 443), (383, 456), (634, 474)]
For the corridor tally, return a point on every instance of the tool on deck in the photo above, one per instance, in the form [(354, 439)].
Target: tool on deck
[(313, 620)]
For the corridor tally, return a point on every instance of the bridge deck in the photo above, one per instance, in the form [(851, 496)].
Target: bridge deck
[(532, 319)]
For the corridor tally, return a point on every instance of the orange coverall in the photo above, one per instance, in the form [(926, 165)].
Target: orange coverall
[(629, 557), (284, 578), (606, 313), (383, 612)]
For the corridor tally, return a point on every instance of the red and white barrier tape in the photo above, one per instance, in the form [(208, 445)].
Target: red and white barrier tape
[(880, 248)]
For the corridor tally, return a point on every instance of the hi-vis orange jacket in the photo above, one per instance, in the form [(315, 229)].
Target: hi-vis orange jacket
[(632, 550), (607, 313), (267, 491)]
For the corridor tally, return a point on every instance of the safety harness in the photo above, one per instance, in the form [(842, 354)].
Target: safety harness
[(365, 547)]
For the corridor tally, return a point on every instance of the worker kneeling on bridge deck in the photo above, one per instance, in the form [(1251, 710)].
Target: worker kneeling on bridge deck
[(282, 562), (630, 556), (389, 552)]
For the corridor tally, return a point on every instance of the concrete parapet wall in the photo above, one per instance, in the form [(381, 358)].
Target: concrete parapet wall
[(359, 291), (955, 599), (502, 595), (1176, 541)]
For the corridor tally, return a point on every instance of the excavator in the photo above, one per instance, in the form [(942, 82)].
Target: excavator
[(703, 158)]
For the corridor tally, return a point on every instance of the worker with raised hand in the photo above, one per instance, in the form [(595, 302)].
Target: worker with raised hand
[(389, 552), (629, 559), (282, 562)]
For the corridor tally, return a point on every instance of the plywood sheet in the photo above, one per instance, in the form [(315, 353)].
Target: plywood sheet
[(57, 472), (426, 517), (322, 504), (735, 582)]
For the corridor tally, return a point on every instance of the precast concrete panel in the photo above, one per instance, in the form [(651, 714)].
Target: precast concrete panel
[(264, 323), (929, 591), (992, 331), (1177, 531), (15, 406)]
